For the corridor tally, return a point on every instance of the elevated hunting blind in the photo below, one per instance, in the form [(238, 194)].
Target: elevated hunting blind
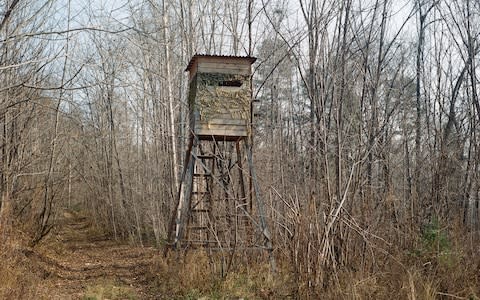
[(219, 207), (220, 96)]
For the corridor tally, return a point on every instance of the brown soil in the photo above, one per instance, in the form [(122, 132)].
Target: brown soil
[(79, 262)]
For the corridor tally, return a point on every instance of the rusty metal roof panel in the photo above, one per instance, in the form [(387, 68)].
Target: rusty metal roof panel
[(195, 58)]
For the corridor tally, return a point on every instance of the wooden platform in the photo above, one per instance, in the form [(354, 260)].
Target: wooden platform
[(221, 129)]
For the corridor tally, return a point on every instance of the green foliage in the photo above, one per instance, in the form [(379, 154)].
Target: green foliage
[(435, 244), (434, 238), (473, 297)]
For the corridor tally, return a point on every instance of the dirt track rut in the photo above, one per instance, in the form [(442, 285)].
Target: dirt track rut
[(78, 262)]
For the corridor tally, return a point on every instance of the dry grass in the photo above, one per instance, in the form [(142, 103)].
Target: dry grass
[(18, 279), (109, 290), (198, 276), (433, 266), (399, 277)]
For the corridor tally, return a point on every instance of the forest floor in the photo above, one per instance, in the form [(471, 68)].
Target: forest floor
[(79, 262)]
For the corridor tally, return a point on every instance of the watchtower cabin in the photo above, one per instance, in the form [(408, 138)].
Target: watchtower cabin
[(220, 96), (215, 209)]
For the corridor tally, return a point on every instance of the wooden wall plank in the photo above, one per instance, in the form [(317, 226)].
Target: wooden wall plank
[(221, 132), (214, 69), (237, 122)]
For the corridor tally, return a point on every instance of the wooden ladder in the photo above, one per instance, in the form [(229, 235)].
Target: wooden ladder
[(200, 226), (214, 209)]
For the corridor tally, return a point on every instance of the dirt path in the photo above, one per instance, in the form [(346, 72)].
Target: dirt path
[(78, 262)]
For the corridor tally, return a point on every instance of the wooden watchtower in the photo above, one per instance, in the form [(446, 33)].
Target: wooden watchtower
[(220, 96), (218, 203)]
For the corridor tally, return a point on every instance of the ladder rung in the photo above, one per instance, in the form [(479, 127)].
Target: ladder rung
[(198, 227), (201, 242), (198, 203), (200, 210), (199, 192), (201, 175), (233, 215), (205, 156)]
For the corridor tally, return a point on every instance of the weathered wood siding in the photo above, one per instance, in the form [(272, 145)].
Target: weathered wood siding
[(220, 98)]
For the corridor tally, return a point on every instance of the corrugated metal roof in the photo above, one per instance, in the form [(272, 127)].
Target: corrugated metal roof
[(230, 57)]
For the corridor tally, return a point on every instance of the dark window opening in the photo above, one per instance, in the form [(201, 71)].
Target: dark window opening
[(235, 83)]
